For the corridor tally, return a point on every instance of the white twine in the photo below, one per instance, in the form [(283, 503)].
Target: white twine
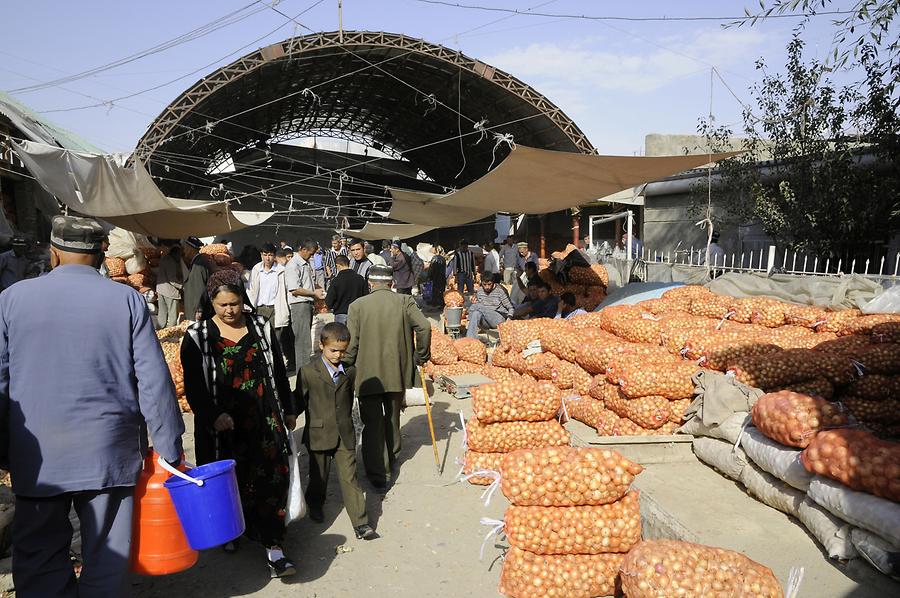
[(747, 421), (860, 368), (479, 126), (209, 126), (431, 100), (563, 414), (215, 191), (488, 493), (465, 434), (795, 578), (307, 92), (496, 527), (725, 317), (646, 316), (499, 139)]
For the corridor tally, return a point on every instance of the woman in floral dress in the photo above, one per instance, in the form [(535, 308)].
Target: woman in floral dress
[(236, 384)]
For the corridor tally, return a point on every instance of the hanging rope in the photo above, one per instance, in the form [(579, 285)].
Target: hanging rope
[(499, 139), (462, 149)]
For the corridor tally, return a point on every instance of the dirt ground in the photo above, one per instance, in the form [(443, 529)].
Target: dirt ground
[(429, 527)]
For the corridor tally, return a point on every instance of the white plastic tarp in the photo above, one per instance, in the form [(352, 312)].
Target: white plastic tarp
[(537, 181), (373, 231), (97, 185)]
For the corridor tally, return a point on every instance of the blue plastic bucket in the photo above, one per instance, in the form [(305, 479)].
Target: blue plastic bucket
[(210, 514)]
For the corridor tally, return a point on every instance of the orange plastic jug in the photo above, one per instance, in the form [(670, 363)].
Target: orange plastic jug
[(158, 544)]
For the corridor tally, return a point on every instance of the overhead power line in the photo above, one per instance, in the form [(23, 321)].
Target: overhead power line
[(624, 18), (223, 21)]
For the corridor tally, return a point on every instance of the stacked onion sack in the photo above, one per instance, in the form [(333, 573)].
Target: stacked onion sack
[(170, 341), (511, 414), (141, 276), (455, 357), (570, 523), (587, 284)]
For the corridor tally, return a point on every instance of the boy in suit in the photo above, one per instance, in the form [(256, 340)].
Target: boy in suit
[(325, 392)]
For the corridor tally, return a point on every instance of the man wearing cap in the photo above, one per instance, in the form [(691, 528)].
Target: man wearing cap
[(13, 264), (383, 326), (198, 274), (83, 379), (302, 292)]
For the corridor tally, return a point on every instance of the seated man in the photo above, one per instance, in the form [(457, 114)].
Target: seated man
[(567, 308), (523, 309), (492, 306), (546, 304)]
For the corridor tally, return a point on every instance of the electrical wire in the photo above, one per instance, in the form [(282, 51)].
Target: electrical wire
[(206, 29), (633, 19)]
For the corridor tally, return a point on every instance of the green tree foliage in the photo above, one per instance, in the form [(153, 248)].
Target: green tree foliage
[(830, 168)]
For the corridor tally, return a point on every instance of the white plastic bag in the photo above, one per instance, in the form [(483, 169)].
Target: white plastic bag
[(296, 504), (728, 459), (878, 515), (880, 553), (770, 490), (832, 532), (887, 302), (781, 461)]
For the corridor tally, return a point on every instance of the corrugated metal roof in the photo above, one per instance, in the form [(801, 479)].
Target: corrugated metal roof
[(37, 128)]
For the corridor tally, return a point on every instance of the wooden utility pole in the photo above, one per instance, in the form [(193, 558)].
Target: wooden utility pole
[(576, 228), (543, 220)]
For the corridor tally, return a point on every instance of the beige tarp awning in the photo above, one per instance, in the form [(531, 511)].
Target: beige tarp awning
[(96, 185), (376, 231), (536, 181)]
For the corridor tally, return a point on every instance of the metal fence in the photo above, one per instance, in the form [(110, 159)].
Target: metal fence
[(771, 259)]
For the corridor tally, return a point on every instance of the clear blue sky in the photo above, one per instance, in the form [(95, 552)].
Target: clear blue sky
[(618, 80)]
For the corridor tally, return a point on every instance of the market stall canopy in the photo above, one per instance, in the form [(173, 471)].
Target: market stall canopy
[(537, 181), (377, 231), (99, 186)]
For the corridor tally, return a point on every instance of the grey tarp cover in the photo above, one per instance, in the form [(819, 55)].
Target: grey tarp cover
[(537, 181), (373, 231), (96, 185), (844, 292), (718, 397)]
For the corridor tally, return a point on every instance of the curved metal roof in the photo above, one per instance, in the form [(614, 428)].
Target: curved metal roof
[(386, 90)]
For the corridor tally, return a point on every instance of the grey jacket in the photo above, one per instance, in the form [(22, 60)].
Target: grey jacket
[(82, 379)]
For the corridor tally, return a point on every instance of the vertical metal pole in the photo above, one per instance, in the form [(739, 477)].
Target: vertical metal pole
[(591, 230), (341, 21), (629, 228), (771, 265)]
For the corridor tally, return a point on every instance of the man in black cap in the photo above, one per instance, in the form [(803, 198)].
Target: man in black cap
[(84, 379), (382, 327), (195, 285), (13, 263)]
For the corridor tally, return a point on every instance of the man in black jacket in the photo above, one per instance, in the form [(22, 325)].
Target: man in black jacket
[(347, 287)]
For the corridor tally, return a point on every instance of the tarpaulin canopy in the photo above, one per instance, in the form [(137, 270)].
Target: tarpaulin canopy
[(536, 181), (375, 231), (98, 186)]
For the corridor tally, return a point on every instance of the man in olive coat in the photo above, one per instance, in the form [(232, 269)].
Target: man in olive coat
[(382, 326)]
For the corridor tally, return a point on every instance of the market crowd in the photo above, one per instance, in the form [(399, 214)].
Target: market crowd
[(247, 333)]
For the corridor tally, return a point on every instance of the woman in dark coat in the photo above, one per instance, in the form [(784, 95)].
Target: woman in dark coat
[(237, 387), (437, 276)]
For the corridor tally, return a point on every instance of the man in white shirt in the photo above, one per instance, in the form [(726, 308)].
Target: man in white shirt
[(509, 253), (268, 294), (300, 283), (491, 265)]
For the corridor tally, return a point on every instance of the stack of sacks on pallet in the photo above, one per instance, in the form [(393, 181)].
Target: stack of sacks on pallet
[(791, 445), (622, 369), (509, 415), (455, 357), (570, 523)]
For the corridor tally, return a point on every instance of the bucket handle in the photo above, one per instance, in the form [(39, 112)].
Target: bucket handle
[(165, 465)]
